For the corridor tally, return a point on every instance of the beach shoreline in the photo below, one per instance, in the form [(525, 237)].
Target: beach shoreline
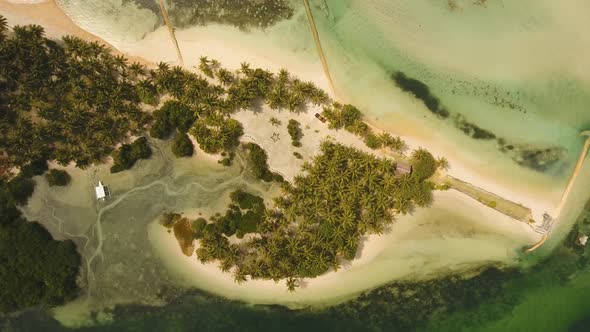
[(204, 41), (337, 286)]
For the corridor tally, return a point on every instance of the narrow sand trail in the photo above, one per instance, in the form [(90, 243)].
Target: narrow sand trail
[(318, 44), (171, 30), (567, 191)]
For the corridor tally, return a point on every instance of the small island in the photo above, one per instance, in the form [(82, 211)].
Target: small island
[(75, 102)]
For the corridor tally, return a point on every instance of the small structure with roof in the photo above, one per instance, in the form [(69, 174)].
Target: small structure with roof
[(102, 191), (403, 168), (583, 240)]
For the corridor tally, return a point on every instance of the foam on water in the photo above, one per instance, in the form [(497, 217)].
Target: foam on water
[(120, 22)]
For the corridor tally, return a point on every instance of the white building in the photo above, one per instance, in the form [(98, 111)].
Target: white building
[(102, 191), (583, 239)]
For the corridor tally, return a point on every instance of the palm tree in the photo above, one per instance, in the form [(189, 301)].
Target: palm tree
[(204, 67), (120, 62), (225, 76), (245, 68), (442, 163), (239, 275), (163, 67), (137, 69), (319, 97), (3, 28)]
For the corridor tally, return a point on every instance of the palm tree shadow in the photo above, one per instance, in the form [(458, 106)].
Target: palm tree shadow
[(257, 105), (303, 108), (361, 246), (302, 283)]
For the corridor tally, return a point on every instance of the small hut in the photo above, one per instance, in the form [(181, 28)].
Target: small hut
[(583, 240), (102, 191), (403, 168)]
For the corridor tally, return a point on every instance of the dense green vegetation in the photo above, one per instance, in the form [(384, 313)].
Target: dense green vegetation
[(227, 159), (90, 101), (36, 167), (20, 188), (74, 100), (257, 161), (349, 118), (242, 217), (294, 129), (129, 154), (317, 222), (34, 268), (70, 101), (172, 115), (424, 164), (182, 146), (58, 177), (291, 93), (216, 137)]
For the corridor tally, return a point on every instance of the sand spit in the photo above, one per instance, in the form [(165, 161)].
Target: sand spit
[(421, 245)]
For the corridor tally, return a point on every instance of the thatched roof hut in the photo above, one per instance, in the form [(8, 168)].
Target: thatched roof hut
[(403, 168)]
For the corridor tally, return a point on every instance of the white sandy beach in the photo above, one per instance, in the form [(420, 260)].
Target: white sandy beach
[(417, 246), (481, 235)]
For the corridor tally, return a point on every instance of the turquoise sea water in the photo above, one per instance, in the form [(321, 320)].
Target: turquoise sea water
[(477, 59)]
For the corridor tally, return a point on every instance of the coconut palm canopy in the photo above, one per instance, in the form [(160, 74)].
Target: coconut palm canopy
[(318, 221)]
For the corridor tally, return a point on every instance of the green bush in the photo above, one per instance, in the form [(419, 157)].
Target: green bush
[(216, 136), (161, 128), (36, 167), (182, 146), (249, 222), (173, 114), (128, 154), (423, 164), (57, 177), (373, 142), (245, 200), (276, 177), (294, 129), (169, 219), (297, 155), (20, 189), (198, 227), (257, 160), (34, 269)]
